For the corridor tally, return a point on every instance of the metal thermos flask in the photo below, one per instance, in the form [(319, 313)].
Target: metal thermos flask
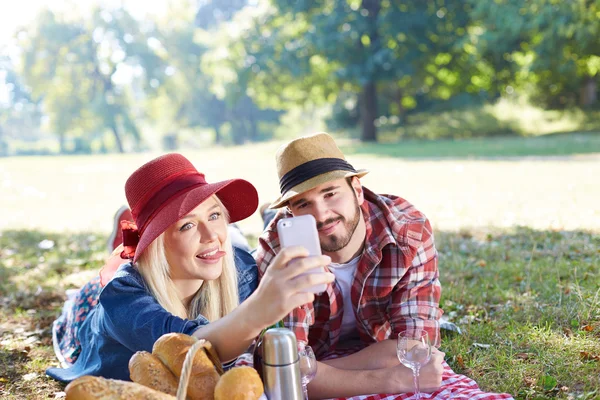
[(281, 366)]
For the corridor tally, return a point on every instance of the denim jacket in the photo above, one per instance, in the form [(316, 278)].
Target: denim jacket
[(129, 319)]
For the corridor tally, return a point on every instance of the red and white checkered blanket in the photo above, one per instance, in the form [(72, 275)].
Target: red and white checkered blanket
[(454, 386)]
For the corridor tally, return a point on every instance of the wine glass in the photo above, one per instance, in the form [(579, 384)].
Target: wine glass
[(414, 350), (308, 368)]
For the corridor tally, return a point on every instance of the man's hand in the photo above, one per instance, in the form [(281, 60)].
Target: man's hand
[(334, 382), (400, 378)]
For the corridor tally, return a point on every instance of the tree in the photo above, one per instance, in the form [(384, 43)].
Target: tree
[(20, 116), (229, 77), (182, 99), (311, 51), (549, 48), (211, 13), (186, 98), (85, 71)]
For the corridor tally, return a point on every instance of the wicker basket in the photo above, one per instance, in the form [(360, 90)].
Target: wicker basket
[(188, 363)]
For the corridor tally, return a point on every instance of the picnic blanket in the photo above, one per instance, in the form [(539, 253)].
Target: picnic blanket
[(454, 386)]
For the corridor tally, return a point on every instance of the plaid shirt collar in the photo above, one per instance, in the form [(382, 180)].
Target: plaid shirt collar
[(388, 223)]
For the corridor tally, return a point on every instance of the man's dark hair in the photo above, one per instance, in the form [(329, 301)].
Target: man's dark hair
[(349, 181)]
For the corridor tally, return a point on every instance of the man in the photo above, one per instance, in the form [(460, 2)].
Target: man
[(385, 262)]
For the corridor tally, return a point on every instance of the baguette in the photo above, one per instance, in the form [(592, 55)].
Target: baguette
[(146, 369), (172, 348), (96, 388)]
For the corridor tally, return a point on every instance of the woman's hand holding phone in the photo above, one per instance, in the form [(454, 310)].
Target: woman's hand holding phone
[(286, 283)]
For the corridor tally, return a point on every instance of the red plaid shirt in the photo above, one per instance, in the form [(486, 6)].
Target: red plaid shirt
[(395, 286)]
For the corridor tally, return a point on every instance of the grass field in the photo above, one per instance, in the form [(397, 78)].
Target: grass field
[(486, 187), (518, 236)]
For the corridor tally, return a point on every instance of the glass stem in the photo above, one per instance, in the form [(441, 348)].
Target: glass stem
[(305, 390), (416, 381)]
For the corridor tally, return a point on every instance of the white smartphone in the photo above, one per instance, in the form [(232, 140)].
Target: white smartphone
[(302, 231)]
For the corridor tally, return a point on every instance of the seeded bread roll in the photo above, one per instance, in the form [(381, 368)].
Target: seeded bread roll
[(96, 388)]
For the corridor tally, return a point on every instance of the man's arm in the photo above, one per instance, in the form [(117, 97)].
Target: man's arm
[(332, 382), (376, 356)]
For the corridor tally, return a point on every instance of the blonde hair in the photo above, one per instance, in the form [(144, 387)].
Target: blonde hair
[(215, 299)]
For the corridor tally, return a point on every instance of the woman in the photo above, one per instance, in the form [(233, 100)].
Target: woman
[(182, 276)]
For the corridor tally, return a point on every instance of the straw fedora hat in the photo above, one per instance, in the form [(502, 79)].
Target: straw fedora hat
[(308, 162), (164, 190)]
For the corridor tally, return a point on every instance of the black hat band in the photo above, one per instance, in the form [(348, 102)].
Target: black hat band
[(310, 169)]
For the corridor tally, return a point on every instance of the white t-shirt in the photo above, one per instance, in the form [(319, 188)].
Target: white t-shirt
[(344, 276)]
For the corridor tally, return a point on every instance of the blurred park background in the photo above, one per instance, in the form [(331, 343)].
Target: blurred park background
[(122, 76), (483, 113)]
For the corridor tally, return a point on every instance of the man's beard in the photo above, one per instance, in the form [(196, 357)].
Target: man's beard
[(334, 242)]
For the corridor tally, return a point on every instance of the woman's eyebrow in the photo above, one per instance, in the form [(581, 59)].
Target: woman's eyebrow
[(196, 215)]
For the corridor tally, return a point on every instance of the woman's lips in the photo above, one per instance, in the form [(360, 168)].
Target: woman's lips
[(211, 257)]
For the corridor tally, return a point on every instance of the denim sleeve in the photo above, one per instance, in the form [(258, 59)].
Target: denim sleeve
[(247, 273), (135, 319)]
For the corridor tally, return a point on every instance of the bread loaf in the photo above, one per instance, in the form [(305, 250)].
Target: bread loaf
[(242, 383), (146, 369), (156, 376), (96, 388), (172, 348)]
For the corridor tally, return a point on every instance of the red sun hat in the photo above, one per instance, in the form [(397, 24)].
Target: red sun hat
[(164, 190)]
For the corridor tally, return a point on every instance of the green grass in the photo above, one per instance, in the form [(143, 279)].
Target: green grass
[(514, 117), (532, 296), (81, 193), (494, 147), (32, 286), (530, 293)]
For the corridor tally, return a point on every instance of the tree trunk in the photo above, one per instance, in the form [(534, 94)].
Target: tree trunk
[(3, 146), (253, 127), (115, 131), (399, 97), (239, 133), (218, 137), (589, 92), (368, 112), (61, 143), (169, 141)]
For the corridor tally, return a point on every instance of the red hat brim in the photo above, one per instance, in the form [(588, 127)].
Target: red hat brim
[(237, 195)]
